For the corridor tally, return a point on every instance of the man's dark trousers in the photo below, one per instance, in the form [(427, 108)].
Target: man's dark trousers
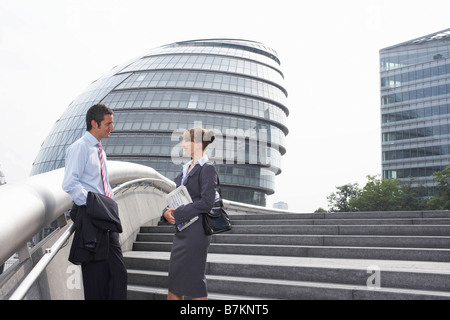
[(107, 279), (96, 247)]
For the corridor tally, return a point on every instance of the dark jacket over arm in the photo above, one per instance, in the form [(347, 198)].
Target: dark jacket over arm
[(93, 224)]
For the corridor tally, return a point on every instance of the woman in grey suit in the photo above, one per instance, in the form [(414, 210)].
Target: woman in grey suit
[(187, 264)]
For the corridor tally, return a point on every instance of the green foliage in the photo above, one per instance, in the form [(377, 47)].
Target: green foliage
[(413, 198), (390, 195), (378, 195), (340, 200), (441, 200)]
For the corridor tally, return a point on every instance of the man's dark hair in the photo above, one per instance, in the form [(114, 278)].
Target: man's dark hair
[(96, 112)]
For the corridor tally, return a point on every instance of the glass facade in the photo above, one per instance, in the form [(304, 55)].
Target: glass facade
[(2, 177), (415, 108), (234, 87)]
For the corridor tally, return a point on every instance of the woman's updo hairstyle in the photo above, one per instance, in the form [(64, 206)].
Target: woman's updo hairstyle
[(206, 137)]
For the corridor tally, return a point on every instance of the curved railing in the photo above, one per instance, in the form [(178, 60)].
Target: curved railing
[(29, 206), (51, 252)]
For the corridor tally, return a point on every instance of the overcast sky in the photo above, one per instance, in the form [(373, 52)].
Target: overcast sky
[(50, 51)]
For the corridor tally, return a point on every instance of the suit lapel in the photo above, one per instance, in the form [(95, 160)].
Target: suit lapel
[(193, 170), (178, 178)]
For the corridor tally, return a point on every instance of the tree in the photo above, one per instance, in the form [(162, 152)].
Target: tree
[(379, 195), (413, 198), (441, 200), (340, 200), (387, 195)]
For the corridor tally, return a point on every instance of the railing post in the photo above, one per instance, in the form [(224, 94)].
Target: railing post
[(24, 253), (26, 284)]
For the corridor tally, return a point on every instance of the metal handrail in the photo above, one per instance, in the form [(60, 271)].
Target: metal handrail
[(50, 253), (31, 204), (118, 174), (142, 180)]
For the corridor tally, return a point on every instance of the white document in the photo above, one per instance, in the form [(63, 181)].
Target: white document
[(178, 197)]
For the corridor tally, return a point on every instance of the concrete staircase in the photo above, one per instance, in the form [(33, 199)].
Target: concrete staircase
[(367, 255)]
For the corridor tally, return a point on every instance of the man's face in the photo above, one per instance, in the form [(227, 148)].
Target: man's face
[(105, 128)]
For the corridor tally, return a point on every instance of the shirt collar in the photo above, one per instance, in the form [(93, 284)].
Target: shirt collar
[(200, 161), (203, 160), (90, 138)]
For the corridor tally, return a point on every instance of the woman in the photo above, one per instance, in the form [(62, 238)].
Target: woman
[(187, 264)]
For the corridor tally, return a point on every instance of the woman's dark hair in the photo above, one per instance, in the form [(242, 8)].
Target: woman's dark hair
[(206, 137), (96, 112)]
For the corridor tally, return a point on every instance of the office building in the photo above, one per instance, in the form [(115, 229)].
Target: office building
[(281, 205), (234, 87), (415, 108), (2, 177)]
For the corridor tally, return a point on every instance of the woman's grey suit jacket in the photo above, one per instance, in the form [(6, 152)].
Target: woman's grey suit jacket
[(201, 184)]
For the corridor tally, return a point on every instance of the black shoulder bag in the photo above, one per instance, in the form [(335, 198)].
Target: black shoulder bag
[(217, 220)]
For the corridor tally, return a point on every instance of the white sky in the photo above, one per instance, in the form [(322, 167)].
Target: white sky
[(51, 50)]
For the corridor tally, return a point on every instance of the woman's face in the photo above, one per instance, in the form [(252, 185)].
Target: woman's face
[(192, 149), (188, 148)]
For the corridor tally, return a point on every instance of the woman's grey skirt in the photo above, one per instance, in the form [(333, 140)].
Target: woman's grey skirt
[(187, 264)]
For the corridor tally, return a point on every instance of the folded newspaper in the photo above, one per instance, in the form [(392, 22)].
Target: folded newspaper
[(178, 197)]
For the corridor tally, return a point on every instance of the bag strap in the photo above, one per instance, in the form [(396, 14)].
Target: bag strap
[(218, 186), (219, 191)]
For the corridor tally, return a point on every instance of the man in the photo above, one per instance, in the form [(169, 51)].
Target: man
[(104, 275)]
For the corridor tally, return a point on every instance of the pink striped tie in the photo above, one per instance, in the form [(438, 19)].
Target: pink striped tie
[(102, 164)]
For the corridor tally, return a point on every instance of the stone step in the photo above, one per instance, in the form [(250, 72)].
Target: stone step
[(418, 275), (411, 230), (393, 230), (137, 292), (363, 255), (345, 215), (419, 254), (256, 288), (282, 278), (300, 290), (316, 240), (411, 221)]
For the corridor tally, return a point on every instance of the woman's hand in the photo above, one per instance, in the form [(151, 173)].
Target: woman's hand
[(168, 215)]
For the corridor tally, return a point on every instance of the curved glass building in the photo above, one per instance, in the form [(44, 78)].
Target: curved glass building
[(234, 87)]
